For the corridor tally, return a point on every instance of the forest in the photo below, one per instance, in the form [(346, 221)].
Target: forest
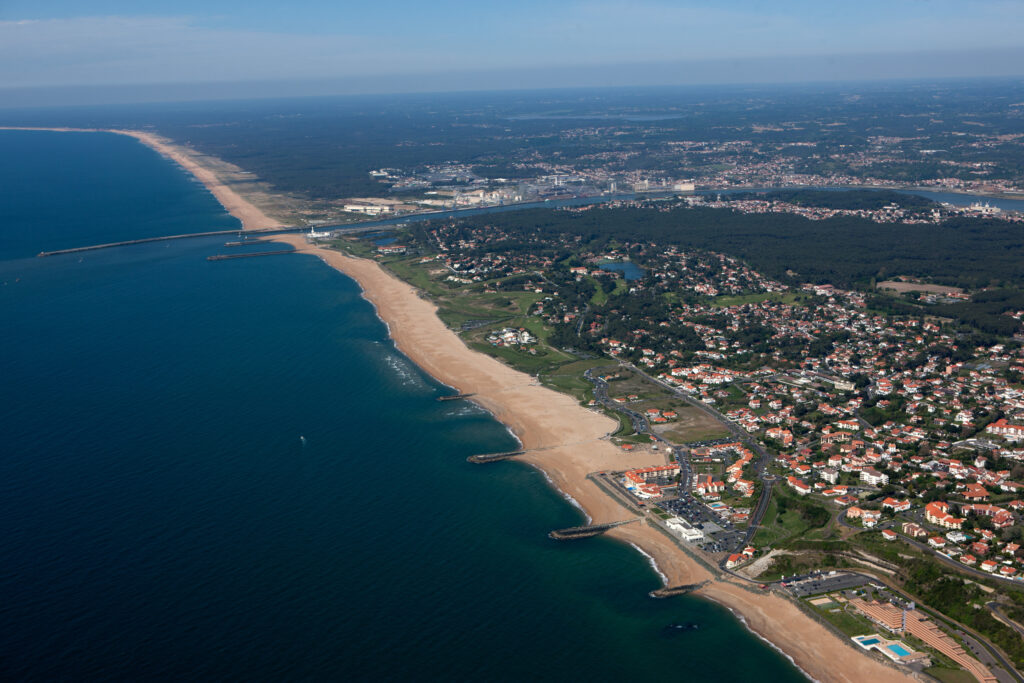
[(850, 200), (846, 251)]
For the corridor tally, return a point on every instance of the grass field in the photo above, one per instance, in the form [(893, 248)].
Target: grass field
[(850, 624), (693, 424), (776, 528), (568, 378), (950, 675), (738, 300), (632, 383)]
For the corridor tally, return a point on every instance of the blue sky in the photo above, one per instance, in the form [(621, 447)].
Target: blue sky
[(395, 45)]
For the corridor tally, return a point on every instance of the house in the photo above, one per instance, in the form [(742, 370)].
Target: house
[(735, 560), (896, 505), (914, 530), (889, 535), (745, 487), (782, 435), (988, 566), (1005, 429), (975, 492), (937, 542), (798, 485)]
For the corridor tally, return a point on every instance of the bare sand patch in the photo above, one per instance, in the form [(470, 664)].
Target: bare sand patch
[(902, 287)]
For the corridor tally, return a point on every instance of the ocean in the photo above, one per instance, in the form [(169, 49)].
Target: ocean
[(226, 470)]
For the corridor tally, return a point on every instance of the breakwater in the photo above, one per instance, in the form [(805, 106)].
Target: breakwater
[(672, 591), (572, 533), (493, 457), (225, 257)]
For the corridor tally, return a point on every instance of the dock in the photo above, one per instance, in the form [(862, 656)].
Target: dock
[(251, 254), (572, 533), (493, 457)]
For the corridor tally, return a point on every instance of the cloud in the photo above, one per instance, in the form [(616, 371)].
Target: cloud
[(109, 50), (128, 49)]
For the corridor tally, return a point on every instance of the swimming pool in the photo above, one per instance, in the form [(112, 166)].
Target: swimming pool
[(899, 650), (869, 641)]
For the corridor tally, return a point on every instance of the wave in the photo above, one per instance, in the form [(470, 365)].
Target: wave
[(770, 644), (572, 501), (652, 562)]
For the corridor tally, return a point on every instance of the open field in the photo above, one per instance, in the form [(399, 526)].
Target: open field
[(693, 424), (790, 298)]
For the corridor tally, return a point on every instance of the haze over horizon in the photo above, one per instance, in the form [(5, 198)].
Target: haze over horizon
[(123, 51)]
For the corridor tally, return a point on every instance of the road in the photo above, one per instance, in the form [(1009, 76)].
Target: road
[(817, 582), (997, 610), (760, 465)]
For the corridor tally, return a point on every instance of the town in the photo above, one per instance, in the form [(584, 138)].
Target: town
[(803, 432)]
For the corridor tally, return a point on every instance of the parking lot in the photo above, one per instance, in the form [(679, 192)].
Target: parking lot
[(721, 535), (823, 582)]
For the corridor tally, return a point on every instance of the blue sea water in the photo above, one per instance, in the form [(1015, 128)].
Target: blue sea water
[(225, 470)]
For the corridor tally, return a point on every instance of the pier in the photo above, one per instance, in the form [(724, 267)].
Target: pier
[(493, 457), (672, 591), (456, 397), (225, 257), (574, 532)]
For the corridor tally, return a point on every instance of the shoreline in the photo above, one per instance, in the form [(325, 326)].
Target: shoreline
[(249, 215), (564, 440), (538, 417)]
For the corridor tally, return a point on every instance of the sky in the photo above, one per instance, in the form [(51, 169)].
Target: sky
[(259, 47)]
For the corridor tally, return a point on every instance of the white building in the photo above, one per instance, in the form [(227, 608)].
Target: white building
[(684, 530)]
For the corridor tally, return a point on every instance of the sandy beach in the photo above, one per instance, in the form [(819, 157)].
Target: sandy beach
[(252, 218), (564, 440), (567, 442)]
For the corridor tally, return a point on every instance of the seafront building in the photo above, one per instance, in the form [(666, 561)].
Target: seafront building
[(916, 623)]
